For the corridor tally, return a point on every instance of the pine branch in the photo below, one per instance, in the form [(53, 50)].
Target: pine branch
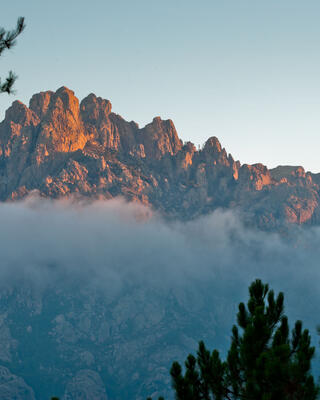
[(8, 38), (7, 41), (7, 86)]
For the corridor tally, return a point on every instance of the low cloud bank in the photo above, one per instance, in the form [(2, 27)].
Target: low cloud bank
[(113, 245)]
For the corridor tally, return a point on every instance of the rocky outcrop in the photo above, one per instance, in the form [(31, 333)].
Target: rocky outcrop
[(159, 138), (98, 127), (13, 387), (61, 127), (85, 385), (62, 148)]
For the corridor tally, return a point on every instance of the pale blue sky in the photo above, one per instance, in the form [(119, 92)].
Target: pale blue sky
[(245, 71)]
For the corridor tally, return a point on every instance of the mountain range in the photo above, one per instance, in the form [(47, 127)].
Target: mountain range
[(62, 148), (96, 303)]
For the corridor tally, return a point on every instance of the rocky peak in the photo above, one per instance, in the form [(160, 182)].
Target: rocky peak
[(160, 137), (20, 114), (39, 103), (212, 145), (69, 100), (157, 121), (17, 131), (189, 147), (287, 173), (94, 108), (255, 176), (213, 152), (48, 105), (61, 127)]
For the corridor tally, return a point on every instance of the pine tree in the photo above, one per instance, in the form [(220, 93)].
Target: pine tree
[(264, 361), (7, 41)]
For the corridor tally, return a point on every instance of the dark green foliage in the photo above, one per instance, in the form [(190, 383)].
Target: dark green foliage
[(160, 398), (264, 361), (7, 41)]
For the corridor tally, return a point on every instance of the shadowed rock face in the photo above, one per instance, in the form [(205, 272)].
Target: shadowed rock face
[(13, 387), (61, 148), (86, 385)]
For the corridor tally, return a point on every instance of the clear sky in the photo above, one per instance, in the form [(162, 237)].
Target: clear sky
[(245, 71)]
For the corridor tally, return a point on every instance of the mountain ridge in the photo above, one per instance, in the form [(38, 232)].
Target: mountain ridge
[(60, 147)]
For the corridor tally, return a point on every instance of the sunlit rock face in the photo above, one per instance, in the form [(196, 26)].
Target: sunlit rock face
[(61, 147), (61, 127)]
